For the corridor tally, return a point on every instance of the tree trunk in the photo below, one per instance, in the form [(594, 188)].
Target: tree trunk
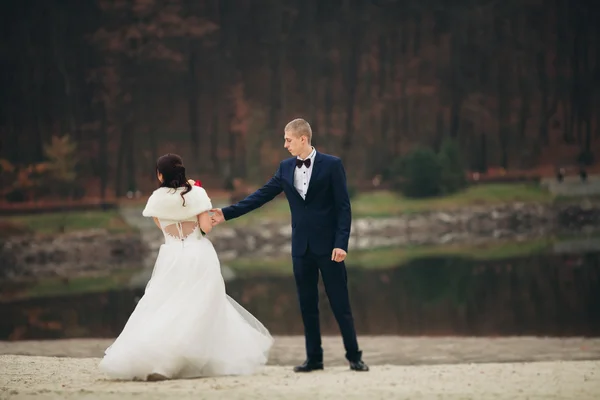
[(384, 65), (216, 95), (562, 59), (276, 58), (524, 111), (545, 112), (228, 48), (585, 95), (483, 166), (192, 87), (312, 63), (440, 130), (405, 104), (457, 84), (33, 88), (355, 26), (103, 164), (130, 158), (381, 150), (328, 99), (596, 80), (576, 85), (60, 63), (502, 94), (120, 163), (417, 23)]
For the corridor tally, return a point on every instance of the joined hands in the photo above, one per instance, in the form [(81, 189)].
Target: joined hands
[(338, 255), (217, 216)]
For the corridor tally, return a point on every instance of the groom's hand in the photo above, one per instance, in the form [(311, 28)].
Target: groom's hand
[(338, 255), (217, 216)]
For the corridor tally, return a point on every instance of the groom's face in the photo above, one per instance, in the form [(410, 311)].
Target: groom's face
[(293, 143)]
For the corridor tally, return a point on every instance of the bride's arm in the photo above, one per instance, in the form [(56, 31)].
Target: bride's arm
[(156, 222), (205, 222)]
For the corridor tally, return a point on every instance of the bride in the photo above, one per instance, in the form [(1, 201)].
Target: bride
[(185, 325)]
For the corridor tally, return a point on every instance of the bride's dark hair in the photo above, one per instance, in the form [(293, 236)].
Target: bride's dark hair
[(173, 172)]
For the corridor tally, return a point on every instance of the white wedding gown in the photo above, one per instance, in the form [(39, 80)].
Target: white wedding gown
[(185, 325)]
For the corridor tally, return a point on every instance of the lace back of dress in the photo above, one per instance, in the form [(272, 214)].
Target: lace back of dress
[(181, 230)]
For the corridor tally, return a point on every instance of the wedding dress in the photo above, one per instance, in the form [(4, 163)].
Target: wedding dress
[(185, 325)]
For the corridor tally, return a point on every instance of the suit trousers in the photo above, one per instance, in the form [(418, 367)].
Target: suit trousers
[(335, 280)]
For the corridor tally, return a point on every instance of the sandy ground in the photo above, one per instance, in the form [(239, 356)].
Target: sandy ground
[(401, 368)]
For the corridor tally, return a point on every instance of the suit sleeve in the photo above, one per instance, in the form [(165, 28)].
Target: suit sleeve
[(342, 207), (257, 199)]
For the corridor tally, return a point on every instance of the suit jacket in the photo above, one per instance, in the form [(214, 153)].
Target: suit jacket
[(320, 222)]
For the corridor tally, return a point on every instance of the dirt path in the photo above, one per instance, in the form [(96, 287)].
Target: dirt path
[(27, 377), (401, 367)]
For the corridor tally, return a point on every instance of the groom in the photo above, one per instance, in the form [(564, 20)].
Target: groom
[(315, 186)]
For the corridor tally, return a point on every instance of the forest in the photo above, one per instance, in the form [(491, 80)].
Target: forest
[(516, 84)]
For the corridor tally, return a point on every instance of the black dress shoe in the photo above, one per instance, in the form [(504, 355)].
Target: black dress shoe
[(358, 366), (309, 366)]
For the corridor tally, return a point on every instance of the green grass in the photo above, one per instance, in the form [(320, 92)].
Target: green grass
[(367, 204), (277, 210), (71, 221), (390, 257), (387, 203)]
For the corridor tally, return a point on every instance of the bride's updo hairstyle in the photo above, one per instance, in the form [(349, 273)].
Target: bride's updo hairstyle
[(173, 172)]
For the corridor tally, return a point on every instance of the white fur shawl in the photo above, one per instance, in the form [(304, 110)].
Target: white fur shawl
[(166, 203)]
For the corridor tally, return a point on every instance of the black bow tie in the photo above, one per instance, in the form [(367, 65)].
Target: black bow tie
[(299, 162)]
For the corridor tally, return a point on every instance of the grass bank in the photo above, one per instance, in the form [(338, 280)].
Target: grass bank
[(367, 204), (49, 287), (59, 222), (387, 203)]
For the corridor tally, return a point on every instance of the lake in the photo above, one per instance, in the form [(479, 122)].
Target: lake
[(552, 293)]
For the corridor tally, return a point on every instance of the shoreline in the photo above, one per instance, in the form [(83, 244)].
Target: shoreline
[(377, 350)]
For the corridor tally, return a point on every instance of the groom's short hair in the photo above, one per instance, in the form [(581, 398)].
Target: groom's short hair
[(299, 127)]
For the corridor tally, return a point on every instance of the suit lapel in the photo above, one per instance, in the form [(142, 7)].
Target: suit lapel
[(314, 175), (290, 176)]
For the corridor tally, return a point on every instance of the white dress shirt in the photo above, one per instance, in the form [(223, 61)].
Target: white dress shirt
[(302, 174)]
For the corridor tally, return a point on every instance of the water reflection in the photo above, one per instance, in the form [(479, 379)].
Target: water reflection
[(550, 295)]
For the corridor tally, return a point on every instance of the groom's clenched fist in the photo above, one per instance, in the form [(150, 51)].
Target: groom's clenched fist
[(338, 255)]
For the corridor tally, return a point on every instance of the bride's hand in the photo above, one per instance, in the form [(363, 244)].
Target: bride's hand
[(217, 216), (191, 182)]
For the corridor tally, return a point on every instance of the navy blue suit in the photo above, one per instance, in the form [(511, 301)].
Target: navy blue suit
[(320, 223)]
